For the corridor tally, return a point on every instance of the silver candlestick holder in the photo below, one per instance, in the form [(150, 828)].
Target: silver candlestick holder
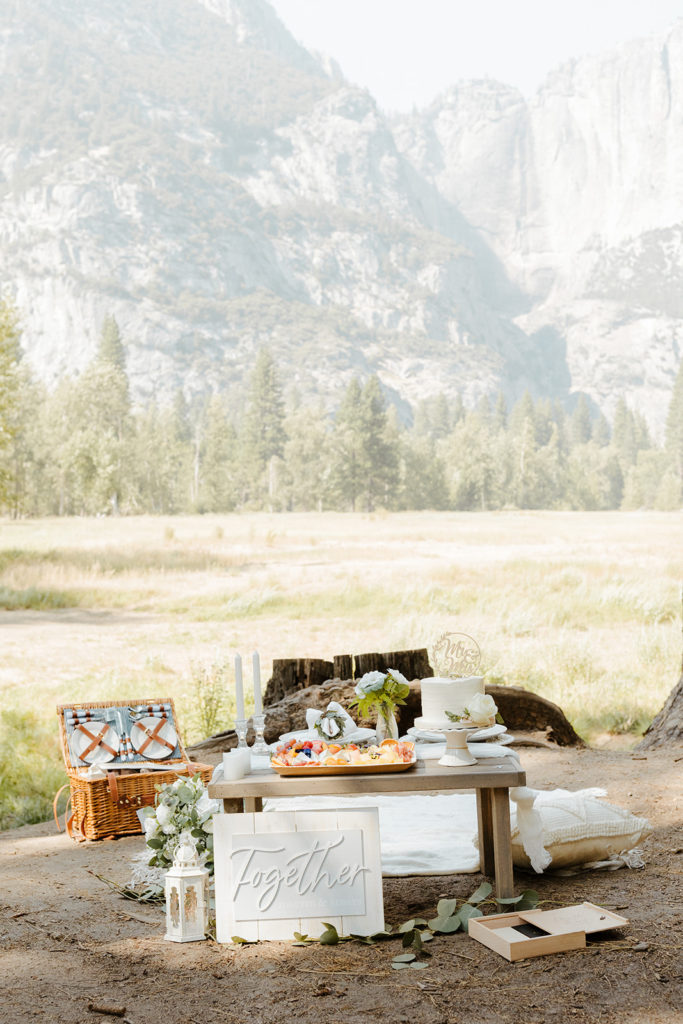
[(259, 745), (241, 730)]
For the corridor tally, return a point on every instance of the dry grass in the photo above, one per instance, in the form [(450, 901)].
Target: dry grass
[(582, 607)]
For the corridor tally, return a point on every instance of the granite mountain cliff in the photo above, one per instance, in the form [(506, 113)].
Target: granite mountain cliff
[(188, 167)]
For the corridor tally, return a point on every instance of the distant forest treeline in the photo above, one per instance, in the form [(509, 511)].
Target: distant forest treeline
[(83, 449)]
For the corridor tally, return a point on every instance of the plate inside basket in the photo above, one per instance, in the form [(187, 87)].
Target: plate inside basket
[(341, 769)]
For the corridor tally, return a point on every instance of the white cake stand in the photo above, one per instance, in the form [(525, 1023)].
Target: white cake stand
[(457, 753)]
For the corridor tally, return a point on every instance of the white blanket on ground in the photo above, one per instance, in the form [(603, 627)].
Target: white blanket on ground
[(421, 833)]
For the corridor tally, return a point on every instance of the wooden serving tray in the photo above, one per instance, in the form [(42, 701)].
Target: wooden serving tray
[(341, 769)]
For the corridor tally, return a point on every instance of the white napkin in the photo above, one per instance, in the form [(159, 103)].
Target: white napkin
[(313, 716)]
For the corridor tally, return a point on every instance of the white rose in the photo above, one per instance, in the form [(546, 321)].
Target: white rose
[(206, 806), (371, 682), (151, 827), (397, 676), (482, 709), (164, 815)]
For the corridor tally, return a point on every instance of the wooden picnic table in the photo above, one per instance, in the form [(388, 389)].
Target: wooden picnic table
[(491, 781)]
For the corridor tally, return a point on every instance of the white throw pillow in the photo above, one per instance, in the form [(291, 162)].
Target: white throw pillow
[(578, 828)]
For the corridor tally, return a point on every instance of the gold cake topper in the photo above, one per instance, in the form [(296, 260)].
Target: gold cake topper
[(456, 655)]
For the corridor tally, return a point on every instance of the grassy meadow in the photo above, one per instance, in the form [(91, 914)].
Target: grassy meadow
[(584, 608)]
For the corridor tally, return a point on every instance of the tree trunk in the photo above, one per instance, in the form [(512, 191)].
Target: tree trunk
[(292, 674), (667, 727), (412, 664)]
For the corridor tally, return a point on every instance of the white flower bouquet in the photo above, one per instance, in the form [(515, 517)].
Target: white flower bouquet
[(381, 693), (180, 806)]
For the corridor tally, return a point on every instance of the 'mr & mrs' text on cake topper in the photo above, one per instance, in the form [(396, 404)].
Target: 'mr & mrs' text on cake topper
[(456, 655)]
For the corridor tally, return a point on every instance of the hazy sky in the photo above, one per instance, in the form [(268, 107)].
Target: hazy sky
[(407, 51)]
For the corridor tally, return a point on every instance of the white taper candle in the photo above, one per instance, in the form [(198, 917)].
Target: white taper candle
[(239, 688), (258, 703)]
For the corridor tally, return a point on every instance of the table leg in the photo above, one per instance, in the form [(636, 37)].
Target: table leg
[(485, 821), (252, 804), (502, 845)]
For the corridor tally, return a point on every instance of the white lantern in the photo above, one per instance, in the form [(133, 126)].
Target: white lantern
[(187, 894)]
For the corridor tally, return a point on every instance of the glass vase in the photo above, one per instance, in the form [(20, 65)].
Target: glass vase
[(387, 726)]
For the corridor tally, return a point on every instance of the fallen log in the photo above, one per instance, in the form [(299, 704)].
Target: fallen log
[(519, 708)]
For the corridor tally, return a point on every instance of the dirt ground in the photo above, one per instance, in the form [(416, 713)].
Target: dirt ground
[(66, 941)]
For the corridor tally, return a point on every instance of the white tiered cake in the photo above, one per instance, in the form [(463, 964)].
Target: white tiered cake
[(440, 695)]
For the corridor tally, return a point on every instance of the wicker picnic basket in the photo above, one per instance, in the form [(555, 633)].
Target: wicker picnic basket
[(106, 808)]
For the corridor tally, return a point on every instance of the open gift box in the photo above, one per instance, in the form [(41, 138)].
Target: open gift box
[(528, 933), (116, 753)]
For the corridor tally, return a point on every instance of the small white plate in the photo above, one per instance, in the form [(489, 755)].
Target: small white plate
[(81, 740), (357, 736), (475, 737), (164, 744)]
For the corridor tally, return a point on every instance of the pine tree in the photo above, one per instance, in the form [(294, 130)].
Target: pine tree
[(10, 355), (264, 421), (500, 415), (307, 458), (580, 425), (600, 432), (380, 448), (110, 349), (348, 455), (623, 435), (216, 484), (674, 425)]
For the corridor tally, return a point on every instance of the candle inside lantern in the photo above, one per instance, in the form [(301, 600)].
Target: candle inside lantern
[(258, 703), (239, 688)]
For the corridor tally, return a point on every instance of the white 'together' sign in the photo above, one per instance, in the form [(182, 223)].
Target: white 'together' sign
[(298, 874), (282, 872)]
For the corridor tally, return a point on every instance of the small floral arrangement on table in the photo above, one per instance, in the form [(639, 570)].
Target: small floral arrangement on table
[(180, 806), (381, 693), (481, 711)]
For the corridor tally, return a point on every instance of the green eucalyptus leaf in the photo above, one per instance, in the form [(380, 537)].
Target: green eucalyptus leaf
[(484, 890), (468, 912), (408, 926), (400, 967), (419, 965), (330, 937), (445, 925), (239, 941), (445, 908), (403, 958), (426, 936), (529, 900)]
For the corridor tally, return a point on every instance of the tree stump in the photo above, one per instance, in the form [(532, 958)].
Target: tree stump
[(291, 674), (412, 664), (666, 729)]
